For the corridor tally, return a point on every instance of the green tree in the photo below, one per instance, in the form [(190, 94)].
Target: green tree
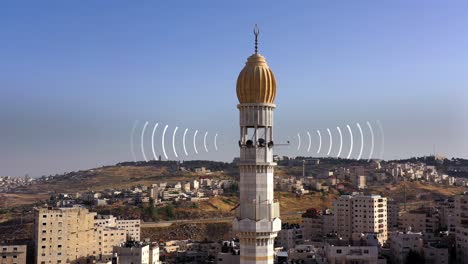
[(169, 211)]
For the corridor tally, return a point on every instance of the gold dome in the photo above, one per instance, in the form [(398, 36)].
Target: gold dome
[(256, 82)]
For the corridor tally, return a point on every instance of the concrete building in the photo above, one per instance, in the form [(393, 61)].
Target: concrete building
[(228, 254), (317, 224), (461, 227), (312, 224), (393, 212), (256, 221), (446, 209), (401, 243), (289, 236), (64, 235), (425, 219), (361, 214), (136, 253), (107, 238), (13, 254), (436, 254), (339, 252), (133, 228)]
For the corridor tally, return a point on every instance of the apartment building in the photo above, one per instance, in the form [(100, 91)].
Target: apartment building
[(425, 219), (136, 252), (13, 254), (401, 243), (461, 227), (359, 214), (133, 228), (75, 235), (64, 235)]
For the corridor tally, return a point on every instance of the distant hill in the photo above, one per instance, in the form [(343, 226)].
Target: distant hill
[(124, 175)]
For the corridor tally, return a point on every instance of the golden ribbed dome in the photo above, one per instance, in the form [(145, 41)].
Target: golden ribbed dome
[(256, 82)]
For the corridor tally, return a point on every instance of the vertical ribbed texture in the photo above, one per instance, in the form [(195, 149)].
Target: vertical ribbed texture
[(256, 82)]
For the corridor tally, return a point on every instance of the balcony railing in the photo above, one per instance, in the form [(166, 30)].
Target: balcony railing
[(258, 211), (252, 154)]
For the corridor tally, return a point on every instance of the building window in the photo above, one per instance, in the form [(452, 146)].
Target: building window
[(338, 251)]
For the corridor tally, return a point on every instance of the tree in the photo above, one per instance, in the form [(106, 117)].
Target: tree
[(169, 211)]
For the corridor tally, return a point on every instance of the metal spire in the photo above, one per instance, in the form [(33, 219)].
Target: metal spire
[(256, 31)]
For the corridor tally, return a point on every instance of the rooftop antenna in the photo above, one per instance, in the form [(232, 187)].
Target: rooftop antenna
[(256, 31)]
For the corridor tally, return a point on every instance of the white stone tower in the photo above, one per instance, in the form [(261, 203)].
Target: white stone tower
[(256, 219)]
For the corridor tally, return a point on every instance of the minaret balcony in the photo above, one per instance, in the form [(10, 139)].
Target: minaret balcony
[(256, 154), (258, 211)]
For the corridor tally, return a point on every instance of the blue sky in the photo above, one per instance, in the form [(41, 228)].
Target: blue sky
[(75, 75)]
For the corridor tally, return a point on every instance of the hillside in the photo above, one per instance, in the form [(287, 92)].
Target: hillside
[(121, 176)]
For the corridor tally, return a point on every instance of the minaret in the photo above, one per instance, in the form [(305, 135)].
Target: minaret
[(256, 219)]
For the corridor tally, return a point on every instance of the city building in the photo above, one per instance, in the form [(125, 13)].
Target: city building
[(340, 251), (64, 235), (107, 238), (136, 252), (424, 219), (461, 227), (393, 212), (317, 224), (133, 228), (401, 243), (289, 236), (256, 221), (13, 254), (359, 214), (436, 254), (312, 224)]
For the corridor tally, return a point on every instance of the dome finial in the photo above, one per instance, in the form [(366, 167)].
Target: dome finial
[(256, 32)]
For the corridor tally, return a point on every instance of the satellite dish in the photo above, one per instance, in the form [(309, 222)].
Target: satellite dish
[(249, 143), (270, 144)]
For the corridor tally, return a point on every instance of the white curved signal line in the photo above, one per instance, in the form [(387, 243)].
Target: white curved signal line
[(142, 141), (341, 142), (331, 142), (299, 141), (204, 141), (162, 141), (310, 141), (215, 143), (195, 142), (173, 142), (132, 136), (383, 139), (362, 141), (152, 141), (320, 142), (183, 142), (351, 145), (372, 141)]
